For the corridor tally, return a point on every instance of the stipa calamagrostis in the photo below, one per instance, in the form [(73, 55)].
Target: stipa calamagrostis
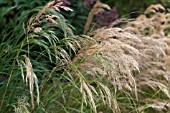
[(117, 53), (22, 106), (30, 78)]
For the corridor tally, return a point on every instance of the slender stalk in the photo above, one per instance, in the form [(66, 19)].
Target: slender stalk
[(9, 79)]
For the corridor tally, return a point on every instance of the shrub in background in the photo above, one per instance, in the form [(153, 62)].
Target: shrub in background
[(105, 18)]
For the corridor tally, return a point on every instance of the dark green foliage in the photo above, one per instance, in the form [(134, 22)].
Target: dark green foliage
[(12, 10), (47, 43), (132, 8)]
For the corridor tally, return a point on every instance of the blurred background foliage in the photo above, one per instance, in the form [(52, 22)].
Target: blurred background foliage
[(133, 8), (11, 11)]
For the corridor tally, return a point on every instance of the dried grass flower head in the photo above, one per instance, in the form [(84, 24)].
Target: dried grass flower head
[(134, 57), (98, 7), (64, 2), (154, 22)]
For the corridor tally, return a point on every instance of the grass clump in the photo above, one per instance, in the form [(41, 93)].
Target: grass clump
[(113, 69)]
